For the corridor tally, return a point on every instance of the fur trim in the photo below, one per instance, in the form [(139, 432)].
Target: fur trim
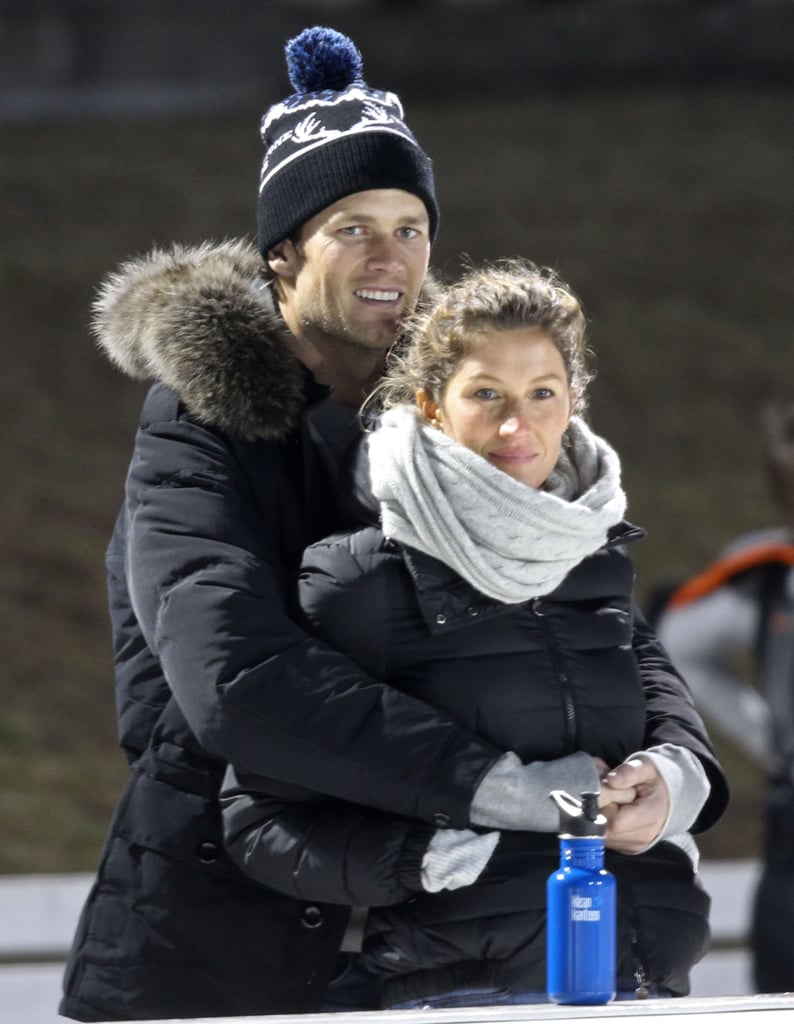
[(200, 320)]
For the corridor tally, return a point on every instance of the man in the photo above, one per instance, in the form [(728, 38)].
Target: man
[(733, 622), (260, 361), (230, 479)]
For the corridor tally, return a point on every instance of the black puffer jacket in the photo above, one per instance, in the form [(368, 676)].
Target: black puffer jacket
[(577, 670), (227, 485)]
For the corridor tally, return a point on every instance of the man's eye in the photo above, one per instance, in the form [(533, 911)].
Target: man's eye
[(408, 232), (351, 229)]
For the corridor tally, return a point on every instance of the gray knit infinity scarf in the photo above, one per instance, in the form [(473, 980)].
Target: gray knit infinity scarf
[(507, 539)]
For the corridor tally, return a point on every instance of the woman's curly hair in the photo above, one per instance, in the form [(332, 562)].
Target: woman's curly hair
[(499, 296)]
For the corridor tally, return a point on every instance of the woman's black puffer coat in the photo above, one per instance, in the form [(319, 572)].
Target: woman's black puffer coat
[(576, 670)]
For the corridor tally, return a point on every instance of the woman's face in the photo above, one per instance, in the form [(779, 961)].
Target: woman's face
[(509, 402)]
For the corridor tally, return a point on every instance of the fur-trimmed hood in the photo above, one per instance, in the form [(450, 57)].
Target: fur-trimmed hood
[(203, 321)]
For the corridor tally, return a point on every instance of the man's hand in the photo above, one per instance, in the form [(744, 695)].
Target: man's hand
[(636, 804)]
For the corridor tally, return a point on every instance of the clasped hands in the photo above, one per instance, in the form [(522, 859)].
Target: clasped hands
[(635, 801)]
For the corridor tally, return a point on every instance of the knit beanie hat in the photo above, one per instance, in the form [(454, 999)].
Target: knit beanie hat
[(334, 136)]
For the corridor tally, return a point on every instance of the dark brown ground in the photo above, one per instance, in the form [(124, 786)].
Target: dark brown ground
[(671, 214)]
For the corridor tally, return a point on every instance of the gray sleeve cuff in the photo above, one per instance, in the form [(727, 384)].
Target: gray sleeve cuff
[(516, 796), (456, 857), (688, 787)]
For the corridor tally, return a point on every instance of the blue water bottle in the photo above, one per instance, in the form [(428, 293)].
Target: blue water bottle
[(580, 902)]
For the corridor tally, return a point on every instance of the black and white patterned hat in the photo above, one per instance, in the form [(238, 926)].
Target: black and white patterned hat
[(334, 136)]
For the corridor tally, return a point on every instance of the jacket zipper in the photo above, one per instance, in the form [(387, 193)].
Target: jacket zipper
[(568, 705), (638, 966), (642, 990)]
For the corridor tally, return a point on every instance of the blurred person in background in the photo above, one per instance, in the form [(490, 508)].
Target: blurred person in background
[(730, 631), (492, 580)]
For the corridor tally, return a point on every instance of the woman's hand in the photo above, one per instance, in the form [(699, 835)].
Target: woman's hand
[(612, 796), (635, 801), (608, 795)]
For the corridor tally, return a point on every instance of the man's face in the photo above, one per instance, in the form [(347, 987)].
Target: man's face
[(357, 269)]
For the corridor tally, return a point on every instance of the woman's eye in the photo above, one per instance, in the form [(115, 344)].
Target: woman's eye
[(543, 393), (485, 393)]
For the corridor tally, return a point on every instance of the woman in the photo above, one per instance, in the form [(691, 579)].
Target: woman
[(493, 582)]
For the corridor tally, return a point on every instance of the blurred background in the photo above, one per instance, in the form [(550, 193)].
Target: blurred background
[(644, 148)]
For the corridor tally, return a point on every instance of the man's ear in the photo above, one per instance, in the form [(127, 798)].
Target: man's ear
[(283, 259), (428, 406)]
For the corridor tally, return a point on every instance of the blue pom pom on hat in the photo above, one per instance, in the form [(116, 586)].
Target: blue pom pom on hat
[(322, 58), (332, 137)]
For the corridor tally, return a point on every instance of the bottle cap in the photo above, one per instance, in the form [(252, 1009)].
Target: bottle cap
[(579, 818)]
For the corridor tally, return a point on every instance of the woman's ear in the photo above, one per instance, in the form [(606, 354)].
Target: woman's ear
[(428, 407)]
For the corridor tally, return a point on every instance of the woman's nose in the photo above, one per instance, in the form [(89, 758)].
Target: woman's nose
[(513, 424)]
